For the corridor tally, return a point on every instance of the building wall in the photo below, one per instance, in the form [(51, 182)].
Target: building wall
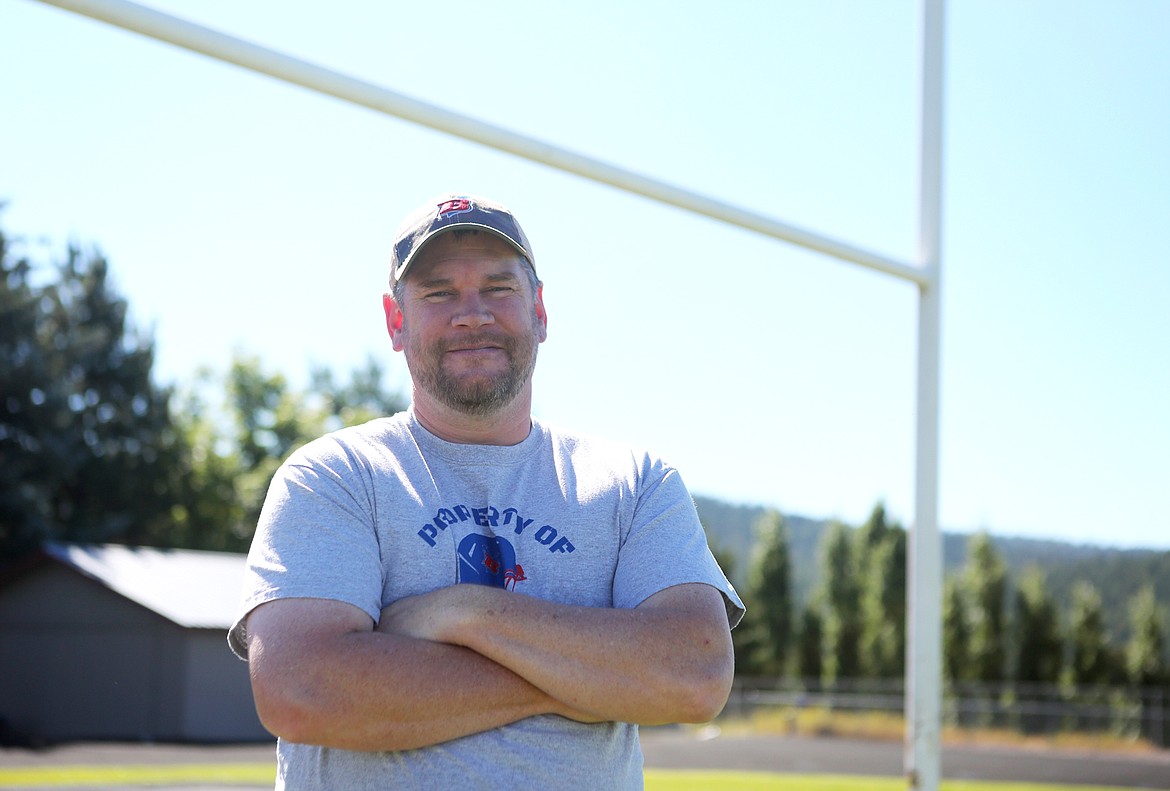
[(78, 662), (217, 692)]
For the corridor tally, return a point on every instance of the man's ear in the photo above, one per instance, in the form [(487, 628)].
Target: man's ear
[(393, 320), (541, 313)]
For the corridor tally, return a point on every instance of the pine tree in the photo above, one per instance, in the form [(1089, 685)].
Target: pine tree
[(956, 633), (1144, 662), (810, 644), (880, 556), (1090, 660), (771, 591), (985, 587), (842, 620), (1038, 639)]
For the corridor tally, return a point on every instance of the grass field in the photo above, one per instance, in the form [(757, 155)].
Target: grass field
[(875, 725), (662, 780), (261, 775)]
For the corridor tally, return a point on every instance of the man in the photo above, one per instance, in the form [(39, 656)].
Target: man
[(594, 604)]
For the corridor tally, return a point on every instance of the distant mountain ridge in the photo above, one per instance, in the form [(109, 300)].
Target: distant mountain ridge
[(1116, 573)]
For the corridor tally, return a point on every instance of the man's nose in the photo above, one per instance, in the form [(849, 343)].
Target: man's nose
[(472, 312)]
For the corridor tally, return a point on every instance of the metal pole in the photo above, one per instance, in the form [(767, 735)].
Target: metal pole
[(923, 750), (220, 46)]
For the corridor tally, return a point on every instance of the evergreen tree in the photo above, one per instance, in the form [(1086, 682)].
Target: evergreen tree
[(873, 531), (771, 591), (985, 586), (1144, 662), (747, 639), (956, 633), (880, 555), (810, 644), (749, 643), (1038, 639), (1090, 661), (842, 621)]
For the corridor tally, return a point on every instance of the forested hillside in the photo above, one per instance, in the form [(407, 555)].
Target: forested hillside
[(1117, 574)]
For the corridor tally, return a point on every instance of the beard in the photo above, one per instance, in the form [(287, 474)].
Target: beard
[(474, 393)]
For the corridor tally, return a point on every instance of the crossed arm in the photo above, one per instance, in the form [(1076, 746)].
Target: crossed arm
[(469, 658)]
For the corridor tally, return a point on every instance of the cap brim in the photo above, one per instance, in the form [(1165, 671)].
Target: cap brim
[(430, 237)]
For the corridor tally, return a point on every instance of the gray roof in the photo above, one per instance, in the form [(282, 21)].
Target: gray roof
[(193, 588)]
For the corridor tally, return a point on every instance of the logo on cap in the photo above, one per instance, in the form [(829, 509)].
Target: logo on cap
[(450, 208)]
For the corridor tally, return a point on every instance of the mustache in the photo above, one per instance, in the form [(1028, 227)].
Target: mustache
[(478, 340)]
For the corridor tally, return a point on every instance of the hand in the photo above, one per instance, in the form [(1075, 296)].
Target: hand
[(438, 615), (433, 616), (419, 616)]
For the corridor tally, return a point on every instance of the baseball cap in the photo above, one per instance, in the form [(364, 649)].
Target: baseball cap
[(448, 212)]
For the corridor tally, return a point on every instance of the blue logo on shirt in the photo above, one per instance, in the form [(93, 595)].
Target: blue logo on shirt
[(488, 560)]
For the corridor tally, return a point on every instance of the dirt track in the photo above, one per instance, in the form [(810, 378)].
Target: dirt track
[(671, 748)]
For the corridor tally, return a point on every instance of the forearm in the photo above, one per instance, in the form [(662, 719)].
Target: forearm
[(617, 664), (364, 690), (650, 665)]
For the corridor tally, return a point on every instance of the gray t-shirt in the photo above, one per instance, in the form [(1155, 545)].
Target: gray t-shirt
[(370, 514)]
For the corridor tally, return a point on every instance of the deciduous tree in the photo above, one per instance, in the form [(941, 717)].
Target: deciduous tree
[(238, 441), (88, 450)]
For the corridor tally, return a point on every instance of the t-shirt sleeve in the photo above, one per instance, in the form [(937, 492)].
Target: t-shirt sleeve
[(315, 539), (666, 545)]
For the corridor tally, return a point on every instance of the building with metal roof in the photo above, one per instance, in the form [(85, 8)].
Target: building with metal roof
[(108, 642)]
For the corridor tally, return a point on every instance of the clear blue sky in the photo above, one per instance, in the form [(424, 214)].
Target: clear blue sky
[(242, 213)]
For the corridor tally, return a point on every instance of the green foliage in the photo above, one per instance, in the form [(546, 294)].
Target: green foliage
[(1038, 640), (770, 593), (859, 613), (362, 399), (238, 443), (810, 641), (984, 582), (1091, 660), (88, 451), (956, 632), (842, 596), (90, 448), (855, 617), (1117, 574), (1144, 662), (880, 555), (747, 639)]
